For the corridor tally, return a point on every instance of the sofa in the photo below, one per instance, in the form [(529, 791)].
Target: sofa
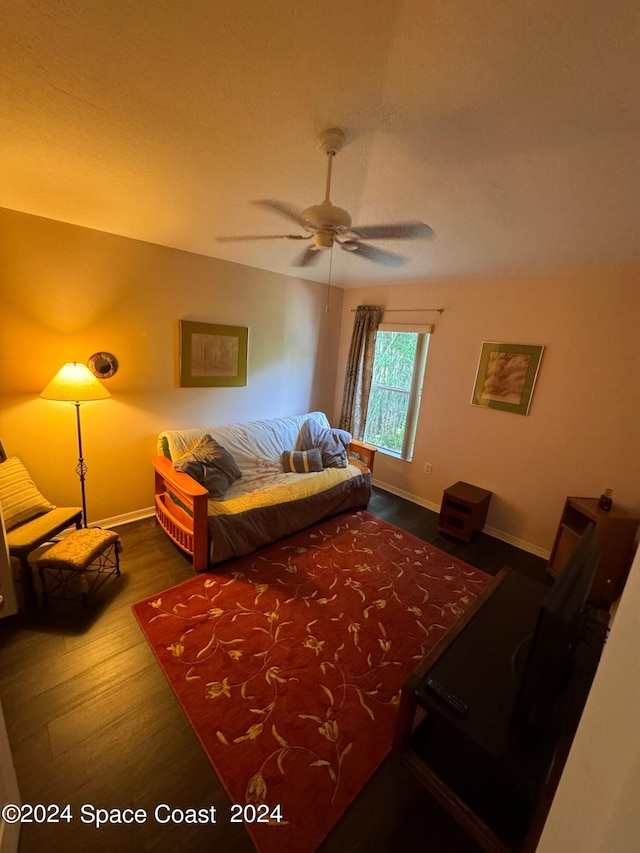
[(274, 483)]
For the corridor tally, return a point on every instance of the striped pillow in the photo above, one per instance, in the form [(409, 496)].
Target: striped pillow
[(302, 461), (19, 498)]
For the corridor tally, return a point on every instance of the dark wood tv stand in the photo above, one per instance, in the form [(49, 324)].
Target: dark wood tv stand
[(497, 782)]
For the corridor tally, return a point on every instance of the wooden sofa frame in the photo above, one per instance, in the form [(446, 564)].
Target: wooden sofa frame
[(189, 528)]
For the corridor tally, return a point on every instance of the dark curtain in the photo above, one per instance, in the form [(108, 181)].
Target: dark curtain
[(357, 383)]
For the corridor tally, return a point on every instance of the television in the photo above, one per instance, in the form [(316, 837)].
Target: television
[(542, 663)]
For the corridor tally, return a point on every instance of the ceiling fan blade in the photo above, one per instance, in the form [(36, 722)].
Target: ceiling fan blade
[(394, 231), (281, 207), (389, 259), (261, 237), (308, 257)]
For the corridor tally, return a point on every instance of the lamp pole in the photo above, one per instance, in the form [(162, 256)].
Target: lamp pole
[(81, 468), (74, 383)]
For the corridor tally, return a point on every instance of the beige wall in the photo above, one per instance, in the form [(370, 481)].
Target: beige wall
[(67, 292), (582, 434)]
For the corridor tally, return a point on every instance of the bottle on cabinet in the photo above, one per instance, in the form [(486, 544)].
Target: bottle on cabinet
[(606, 500)]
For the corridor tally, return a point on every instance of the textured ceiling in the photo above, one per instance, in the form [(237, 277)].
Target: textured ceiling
[(511, 128)]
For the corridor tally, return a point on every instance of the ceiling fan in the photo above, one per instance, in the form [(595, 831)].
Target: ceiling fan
[(326, 225)]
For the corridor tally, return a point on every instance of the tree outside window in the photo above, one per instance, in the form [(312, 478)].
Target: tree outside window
[(396, 388)]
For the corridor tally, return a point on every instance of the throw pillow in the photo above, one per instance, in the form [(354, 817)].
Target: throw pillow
[(302, 461), (211, 465), (19, 496), (332, 443)]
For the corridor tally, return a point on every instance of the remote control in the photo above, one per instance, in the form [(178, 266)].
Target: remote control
[(453, 701)]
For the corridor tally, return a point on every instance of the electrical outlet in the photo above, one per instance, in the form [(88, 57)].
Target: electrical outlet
[(428, 467)]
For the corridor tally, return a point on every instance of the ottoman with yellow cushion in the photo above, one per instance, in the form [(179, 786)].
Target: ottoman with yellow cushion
[(79, 564)]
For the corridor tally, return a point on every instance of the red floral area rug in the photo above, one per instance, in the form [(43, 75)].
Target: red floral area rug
[(289, 664)]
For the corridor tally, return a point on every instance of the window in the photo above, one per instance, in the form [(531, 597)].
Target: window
[(398, 370)]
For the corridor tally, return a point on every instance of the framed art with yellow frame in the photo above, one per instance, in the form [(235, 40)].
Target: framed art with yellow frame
[(212, 355), (506, 376)]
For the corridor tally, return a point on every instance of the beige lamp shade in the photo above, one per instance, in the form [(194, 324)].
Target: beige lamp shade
[(75, 383)]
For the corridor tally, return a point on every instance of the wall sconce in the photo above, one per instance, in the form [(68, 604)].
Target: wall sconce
[(103, 365)]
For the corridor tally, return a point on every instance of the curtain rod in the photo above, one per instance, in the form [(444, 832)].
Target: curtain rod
[(404, 310)]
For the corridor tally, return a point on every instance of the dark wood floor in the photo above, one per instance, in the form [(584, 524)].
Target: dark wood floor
[(92, 720)]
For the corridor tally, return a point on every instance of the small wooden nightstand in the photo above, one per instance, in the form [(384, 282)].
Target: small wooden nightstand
[(615, 533), (464, 510)]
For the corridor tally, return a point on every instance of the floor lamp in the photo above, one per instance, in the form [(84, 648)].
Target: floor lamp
[(74, 383)]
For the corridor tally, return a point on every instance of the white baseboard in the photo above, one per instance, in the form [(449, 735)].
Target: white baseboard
[(407, 495), (125, 518), (491, 531), (149, 512)]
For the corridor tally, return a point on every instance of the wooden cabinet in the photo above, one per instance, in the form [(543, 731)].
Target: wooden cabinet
[(615, 532)]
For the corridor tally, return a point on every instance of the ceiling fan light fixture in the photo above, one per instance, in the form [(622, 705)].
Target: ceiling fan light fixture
[(322, 240)]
